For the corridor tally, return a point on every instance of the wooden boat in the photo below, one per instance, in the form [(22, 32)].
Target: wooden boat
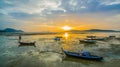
[(111, 37), (88, 41), (91, 37), (118, 38), (27, 44), (95, 38), (83, 55)]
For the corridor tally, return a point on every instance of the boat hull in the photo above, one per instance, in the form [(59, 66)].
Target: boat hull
[(91, 42), (27, 44), (77, 55)]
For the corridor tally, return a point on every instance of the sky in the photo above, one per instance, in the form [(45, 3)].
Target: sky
[(51, 15)]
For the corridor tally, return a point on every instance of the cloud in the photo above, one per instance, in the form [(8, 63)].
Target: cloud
[(73, 2), (48, 7), (43, 11), (110, 2), (32, 7)]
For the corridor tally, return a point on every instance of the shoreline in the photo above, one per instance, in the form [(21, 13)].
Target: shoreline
[(45, 33)]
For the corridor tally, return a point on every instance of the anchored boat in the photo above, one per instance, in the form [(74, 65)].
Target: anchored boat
[(83, 55), (88, 41), (27, 44)]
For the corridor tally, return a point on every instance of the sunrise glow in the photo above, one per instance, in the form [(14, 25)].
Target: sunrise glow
[(66, 28)]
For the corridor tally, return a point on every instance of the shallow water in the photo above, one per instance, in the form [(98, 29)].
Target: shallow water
[(48, 52)]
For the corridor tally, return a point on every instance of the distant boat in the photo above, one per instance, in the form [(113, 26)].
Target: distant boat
[(118, 38), (110, 37), (87, 41), (27, 44), (92, 37), (57, 38), (83, 55), (95, 38)]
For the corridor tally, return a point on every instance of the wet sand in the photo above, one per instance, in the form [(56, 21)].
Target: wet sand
[(48, 52)]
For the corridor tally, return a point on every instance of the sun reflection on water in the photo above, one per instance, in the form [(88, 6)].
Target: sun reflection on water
[(66, 35), (66, 45)]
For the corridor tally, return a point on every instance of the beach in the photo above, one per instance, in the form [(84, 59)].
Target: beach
[(48, 53)]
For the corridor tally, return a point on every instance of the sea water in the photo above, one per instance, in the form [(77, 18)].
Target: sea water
[(48, 53)]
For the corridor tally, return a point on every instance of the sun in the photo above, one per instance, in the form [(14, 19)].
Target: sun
[(66, 28)]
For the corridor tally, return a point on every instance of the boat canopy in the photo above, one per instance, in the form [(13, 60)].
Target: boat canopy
[(86, 53)]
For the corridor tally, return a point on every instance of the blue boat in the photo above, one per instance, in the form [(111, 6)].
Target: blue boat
[(57, 38), (83, 55)]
